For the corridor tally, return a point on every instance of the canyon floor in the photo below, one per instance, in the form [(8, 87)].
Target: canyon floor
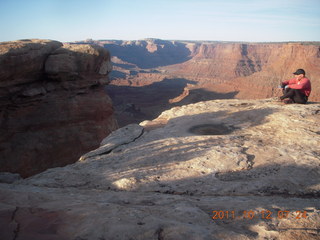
[(220, 169), (140, 99)]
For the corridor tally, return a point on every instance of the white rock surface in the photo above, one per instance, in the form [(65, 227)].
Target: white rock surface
[(166, 182), (117, 138)]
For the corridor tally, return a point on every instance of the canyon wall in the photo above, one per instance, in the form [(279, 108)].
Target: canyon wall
[(53, 107), (253, 69)]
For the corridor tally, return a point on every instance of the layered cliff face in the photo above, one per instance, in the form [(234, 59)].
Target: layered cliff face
[(253, 69), (223, 169), (53, 104)]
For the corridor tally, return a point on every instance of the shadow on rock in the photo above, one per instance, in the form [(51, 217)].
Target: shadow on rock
[(136, 104)]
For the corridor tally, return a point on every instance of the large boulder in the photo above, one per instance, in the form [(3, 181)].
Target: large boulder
[(78, 59)]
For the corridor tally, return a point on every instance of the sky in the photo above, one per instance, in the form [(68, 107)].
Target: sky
[(206, 20)]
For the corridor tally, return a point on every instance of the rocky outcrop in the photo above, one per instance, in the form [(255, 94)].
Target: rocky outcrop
[(53, 104), (223, 169), (23, 61)]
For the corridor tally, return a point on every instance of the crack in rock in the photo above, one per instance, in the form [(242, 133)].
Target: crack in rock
[(250, 159), (120, 137), (159, 233), (13, 219)]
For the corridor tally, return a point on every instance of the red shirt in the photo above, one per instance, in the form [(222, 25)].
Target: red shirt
[(304, 85)]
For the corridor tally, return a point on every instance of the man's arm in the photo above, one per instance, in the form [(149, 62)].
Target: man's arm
[(303, 83), (287, 82)]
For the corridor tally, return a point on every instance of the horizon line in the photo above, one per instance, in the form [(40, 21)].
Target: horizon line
[(186, 40), (88, 40)]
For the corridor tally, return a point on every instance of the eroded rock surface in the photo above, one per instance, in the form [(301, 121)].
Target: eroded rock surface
[(53, 106), (262, 167)]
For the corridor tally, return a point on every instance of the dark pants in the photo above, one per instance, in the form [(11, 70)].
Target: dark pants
[(295, 95)]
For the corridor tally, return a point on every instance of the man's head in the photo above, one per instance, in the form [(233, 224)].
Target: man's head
[(299, 74)]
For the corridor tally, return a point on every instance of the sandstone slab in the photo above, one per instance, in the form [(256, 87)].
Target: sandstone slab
[(117, 138), (172, 183)]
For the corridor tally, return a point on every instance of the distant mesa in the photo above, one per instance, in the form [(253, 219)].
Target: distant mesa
[(149, 53)]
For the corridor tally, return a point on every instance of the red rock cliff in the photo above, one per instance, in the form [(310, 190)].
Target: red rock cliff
[(253, 69), (53, 104)]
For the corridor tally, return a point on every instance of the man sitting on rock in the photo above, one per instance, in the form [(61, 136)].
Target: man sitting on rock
[(296, 90)]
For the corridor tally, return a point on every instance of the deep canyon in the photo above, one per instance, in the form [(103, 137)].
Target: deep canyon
[(153, 75)]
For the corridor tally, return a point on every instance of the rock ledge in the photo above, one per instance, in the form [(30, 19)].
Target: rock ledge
[(170, 183)]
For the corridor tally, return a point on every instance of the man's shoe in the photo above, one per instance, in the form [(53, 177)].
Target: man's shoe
[(287, 101)]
